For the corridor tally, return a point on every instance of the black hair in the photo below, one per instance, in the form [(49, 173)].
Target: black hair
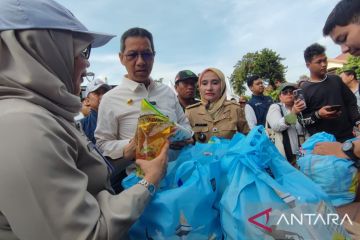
[(136, 32), (313, 50), (351, 72), (344, 13), (250, 80)]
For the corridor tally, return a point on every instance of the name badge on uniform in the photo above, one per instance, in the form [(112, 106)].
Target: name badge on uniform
[(200, 124)]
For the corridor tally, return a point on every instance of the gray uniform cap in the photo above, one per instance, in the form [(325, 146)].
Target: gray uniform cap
[(44, 14)]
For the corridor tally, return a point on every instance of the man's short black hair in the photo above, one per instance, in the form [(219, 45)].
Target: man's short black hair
[(344, 13), (313, 50), (136, 32), (250, 80)]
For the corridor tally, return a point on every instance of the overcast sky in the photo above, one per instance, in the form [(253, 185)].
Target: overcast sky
[(196, 34)]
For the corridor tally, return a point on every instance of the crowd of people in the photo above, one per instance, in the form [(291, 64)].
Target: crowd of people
[(55, 173)]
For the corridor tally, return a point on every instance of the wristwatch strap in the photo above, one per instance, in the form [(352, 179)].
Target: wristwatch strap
[(352, 155), (151, 187)]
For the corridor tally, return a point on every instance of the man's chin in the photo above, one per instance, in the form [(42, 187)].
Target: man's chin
[(191, 97)]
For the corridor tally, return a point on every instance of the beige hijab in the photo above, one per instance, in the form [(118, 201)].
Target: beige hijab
[(213, 108), (38, 66)]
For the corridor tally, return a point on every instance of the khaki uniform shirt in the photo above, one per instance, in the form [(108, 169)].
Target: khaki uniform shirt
[(231, 119)]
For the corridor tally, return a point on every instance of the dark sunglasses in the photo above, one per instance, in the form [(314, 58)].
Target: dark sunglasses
[(287, 92), (242, 102), (146, 56), (86, 52)]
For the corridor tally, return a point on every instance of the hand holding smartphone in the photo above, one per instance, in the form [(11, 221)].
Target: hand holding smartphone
[(299, 94)]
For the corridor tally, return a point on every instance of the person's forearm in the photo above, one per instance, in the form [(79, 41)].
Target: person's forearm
[(112, 148)]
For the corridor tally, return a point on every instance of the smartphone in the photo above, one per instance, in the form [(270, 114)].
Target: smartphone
[(299, 94), (334, 108)]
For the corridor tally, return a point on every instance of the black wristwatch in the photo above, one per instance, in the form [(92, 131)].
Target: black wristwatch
[(348, 149)]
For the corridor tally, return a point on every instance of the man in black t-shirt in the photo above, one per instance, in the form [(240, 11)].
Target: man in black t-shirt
[(322, 92)]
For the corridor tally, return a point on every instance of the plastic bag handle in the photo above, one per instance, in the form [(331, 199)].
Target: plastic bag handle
[(258, 137), (184, 169)]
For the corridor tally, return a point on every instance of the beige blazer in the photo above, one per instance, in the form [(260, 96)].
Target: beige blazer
[(53, 185)]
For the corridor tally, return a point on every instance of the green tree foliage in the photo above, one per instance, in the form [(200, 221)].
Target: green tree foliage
[(353, 63), (266, 64)]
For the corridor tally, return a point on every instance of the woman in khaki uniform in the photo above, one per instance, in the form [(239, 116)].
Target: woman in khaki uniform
[(214, 115)]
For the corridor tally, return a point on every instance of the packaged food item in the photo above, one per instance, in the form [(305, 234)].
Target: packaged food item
[(153, 130)]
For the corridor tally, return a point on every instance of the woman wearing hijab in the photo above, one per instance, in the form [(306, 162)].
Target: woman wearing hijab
[(214, 115), (53, 183)]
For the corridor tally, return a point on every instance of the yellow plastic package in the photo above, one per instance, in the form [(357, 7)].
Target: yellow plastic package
[(153, 130)]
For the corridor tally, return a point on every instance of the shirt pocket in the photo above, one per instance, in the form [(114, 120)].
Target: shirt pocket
[(226, 130), (201, 133), (200, 129), (228, 127)]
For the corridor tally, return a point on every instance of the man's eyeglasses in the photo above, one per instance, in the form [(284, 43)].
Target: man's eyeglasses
[(86, 52), (146, 56), (287, 92)]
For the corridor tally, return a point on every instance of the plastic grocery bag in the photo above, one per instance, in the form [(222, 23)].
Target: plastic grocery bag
[(184, 208), (336, 176), (265, 193)]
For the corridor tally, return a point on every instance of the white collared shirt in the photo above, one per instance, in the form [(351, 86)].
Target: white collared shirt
[(119, 111), (278, 124), (250, 116)]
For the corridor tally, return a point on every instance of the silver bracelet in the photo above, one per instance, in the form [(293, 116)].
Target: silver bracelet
[(151, 187)]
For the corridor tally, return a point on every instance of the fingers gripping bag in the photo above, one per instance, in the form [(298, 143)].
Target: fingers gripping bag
[(153, 130)]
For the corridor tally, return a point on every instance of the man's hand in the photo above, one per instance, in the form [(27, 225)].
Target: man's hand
[(353, 229), (129, 150), (179, 145), (330, 148), (154, 170), (326, 113)]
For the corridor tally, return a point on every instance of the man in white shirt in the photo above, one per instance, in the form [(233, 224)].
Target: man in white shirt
[(258, 105), (120, 107)]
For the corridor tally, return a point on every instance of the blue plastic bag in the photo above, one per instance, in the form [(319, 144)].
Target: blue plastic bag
[(184, 207), (262, 187), (336, 176)]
